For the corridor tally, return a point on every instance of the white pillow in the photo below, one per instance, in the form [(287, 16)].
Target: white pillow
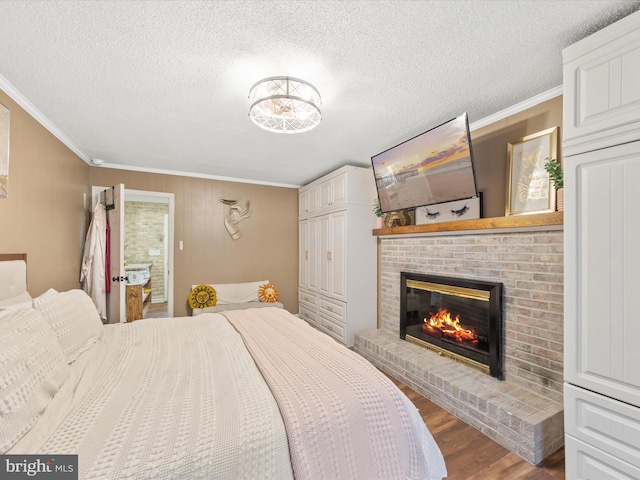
[(32, 369), (227, 293), (22, 300), (75, 320), (45, 296)]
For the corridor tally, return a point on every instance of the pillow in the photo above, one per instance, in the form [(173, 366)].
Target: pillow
[(45, 296), (22, 300), (75, 320), (268, 293), (202, 296), (32, 369), (227, 293)]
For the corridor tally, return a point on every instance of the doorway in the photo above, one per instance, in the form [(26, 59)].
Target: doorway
[(147, 246)]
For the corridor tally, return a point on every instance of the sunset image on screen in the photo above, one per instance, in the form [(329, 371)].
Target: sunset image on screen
[(431, 168)]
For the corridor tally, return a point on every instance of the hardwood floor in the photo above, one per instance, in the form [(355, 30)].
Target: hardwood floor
[(470, 455), (155, 310)]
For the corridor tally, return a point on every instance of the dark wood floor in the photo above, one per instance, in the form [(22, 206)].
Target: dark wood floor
[(470, 455)]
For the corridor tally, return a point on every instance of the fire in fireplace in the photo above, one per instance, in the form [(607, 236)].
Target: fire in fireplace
[(457, 317)]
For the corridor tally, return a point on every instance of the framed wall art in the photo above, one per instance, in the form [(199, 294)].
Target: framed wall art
[(4, 151), (529, 188)]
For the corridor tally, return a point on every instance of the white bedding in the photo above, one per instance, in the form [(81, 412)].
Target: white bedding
[(344, 419), (165, 399)]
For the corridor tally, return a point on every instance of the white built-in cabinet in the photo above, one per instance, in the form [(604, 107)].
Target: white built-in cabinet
[(601, 143), (338, 254)]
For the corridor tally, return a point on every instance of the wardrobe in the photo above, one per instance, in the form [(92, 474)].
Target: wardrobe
[(601, 144), (337, 290)]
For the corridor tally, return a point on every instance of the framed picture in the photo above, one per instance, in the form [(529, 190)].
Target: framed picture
[(4, 151), (529, 188)]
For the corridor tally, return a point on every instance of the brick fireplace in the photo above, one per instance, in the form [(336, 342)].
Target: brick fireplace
[(523, 412)]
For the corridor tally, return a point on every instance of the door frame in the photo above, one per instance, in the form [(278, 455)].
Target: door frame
[(139, 196)]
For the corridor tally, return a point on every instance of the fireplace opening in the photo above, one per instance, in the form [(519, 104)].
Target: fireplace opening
[(457, 317)]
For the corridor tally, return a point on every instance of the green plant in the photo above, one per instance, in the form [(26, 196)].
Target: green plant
[(554, 168), (376, 208)]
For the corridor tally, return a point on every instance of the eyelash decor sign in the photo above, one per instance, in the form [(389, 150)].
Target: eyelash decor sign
[(467, 209)]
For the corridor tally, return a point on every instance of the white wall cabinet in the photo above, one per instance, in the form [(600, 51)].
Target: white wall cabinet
[(338, 254), (602, 253)]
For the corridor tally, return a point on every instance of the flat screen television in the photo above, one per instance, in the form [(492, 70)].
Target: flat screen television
[(433, 167)]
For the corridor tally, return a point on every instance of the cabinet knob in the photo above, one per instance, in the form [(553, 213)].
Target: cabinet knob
[(329, 256), (329, 308), (330, 328)]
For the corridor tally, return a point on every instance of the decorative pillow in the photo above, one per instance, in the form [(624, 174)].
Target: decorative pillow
[(268, 293), (202, 296), (75, 320), (22, 300), (32, 369)]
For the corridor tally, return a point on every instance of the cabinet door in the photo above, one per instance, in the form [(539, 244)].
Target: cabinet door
[(314, 254), (303, 254), (339, 190), (324, 257), (325, 195), (308, 254), (602, 271), (307, 201), (303, 202), (602, 98), (338, 282), (585, 462)]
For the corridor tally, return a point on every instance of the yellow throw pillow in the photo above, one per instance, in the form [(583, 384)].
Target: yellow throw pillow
[(202, 296), (268, 293)]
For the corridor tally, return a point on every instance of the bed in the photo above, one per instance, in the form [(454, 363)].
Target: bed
[(244, 394)]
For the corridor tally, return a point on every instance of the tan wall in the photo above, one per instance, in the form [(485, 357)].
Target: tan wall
[(44, 215), (268, 248), (490, 149)]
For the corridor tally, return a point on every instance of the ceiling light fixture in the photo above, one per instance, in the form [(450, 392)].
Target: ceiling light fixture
[(285, 105)]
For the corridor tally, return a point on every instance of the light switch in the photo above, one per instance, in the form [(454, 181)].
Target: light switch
[(180, 245)]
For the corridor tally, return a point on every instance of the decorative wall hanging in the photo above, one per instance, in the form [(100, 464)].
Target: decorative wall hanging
[(468, 209), (236, 215), (4, 151), (529, 187)]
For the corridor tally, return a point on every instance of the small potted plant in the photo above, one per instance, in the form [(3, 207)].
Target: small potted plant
[(554, 168), (377, 210)]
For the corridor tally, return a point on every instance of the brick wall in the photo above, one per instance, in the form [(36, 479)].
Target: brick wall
[(529, 265), (144, 231)]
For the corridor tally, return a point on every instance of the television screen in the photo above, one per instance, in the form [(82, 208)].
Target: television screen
[(433, 167)]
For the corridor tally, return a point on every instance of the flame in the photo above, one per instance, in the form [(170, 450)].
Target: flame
[(441, 324)]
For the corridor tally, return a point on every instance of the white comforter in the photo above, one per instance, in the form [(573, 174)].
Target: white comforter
[(166, 399)]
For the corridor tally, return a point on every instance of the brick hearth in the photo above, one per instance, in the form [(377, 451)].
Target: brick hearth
[(524, 412)]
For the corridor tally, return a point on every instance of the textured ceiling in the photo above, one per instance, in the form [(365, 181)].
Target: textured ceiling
[(163, 85)]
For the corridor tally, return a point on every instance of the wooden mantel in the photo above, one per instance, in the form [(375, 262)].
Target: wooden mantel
[(495, 223)]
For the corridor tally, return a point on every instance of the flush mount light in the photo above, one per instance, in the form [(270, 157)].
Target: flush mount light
[(285, 105)]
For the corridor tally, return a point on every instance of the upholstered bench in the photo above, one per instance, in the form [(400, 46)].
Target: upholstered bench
[(236, 296)]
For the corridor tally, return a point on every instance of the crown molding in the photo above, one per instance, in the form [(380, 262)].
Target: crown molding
[(20, 99), (182, 173), (517, 108)]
